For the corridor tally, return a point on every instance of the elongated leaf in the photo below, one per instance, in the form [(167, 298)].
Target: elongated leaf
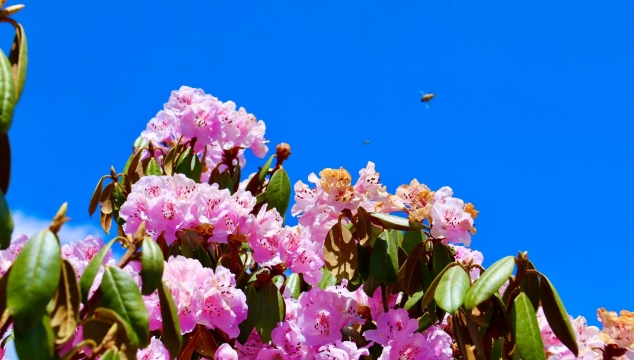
[(293, 284), (18, 57), (153, 168), (65, 316), (88, 277), (340, 252), (33, 280), (497, 349), (168, 161), (172, 338), (526, 329), (112, 354), (121, 294), (37, 343), (7, 93), (557, 316), (370, 286), (269, 298), (151, 266), (410, 273), (413, 300), (5, 163), (265, 170), (530, 286), (6, 223), (363, 227), (189, 165), (206, 344), (105, 326), (452, 289), (384, 259), (424, 322), (411, 239), (105, 199), (327, 279), (247, 326), (489, 282), (96, 195), (278, 191), (396, 222), (429, 294), (440, 259)]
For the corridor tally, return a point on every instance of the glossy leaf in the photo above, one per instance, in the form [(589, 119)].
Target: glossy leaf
[(490, 282), (6, 223), (105, 326), (168, 161), (7, 93), (5, 163), (132, 166), (327, 279), (96, 195), (269, 298), (33, 280), (452, 289), (530, 286), (189, 165), (440, 258), (153, 168), (370, 286), (363, 227), (526, 329), (410, 274), (37, 343), (121, 294), (293, 284), (497, 349), (65, 316), (411, 239), (265, 170), (278, 191), (206, 345), (557, 316), (225, 181), (340, 252), (172, 338), (396, 222), (424, 322), (384, 258), (151, 266), (413, 300), (247, 326), (88, 277), (18, 57), (429, 294)]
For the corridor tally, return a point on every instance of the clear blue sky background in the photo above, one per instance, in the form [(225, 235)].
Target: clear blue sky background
[(531, 123)]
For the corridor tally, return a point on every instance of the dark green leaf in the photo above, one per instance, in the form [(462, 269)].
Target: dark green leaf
[(96, 195), (36, 343), (5, 163), (172, 338), (293, 284), (168, 161), (106, 326), (384, 258), (440, 258), (530, 286), (247, 326), (88, 277), (189, 165), (153, 168), (199, 253), (370, 286), (340, 252), (490, 282), (424, 322), (121, 294), (133, 163), (34, 279), (526, 329), (411, 239), (429, 294), (413, 300), (269, 298), (151, 266), (265, 170), (410, 273), (65, 316), (327, 279), (498, 348), (7, 93), (225, 181), (363, 264), (396, 222), (452, 289), (18, 57), (278, 191), (557, 316), (6, 223)]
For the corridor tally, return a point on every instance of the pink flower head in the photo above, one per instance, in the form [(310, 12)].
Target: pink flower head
[(7, 257), (341, 350), (451, 222), (225, 352), (156, 351), (288, 337), (392, 325), (80, 253), (468, 257), (224, 306), (251, 348), (418, 347), (200, 120), (272, 354)]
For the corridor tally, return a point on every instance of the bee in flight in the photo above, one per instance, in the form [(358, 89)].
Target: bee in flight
[(426, 97), (366, 142)]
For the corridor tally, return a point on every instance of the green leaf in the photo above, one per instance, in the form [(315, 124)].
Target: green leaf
[(327, 279), (65, 316), (37, 343), (151, 266), (413, 300), (370, 286), (225, 181), (384, 258), (18, 57), (293, 284), (88, 277), (96, 195), (153, 168), (490, 282), (424, 322), (247, 326), (363, 262), (530, 286), (396, 222), (363, 227), (106, 325), (411, 239), (112, 354), (265, 170), (278, 191), (121, 294), (189, 165), (5, 163), (6, 223), (440, 258), (497, 349), (452, 289), (410, 273), (429, 293), (557, 316), (526, 329), (172, 338), (340, 252), (34, 279), (7, 93), (269, 298)]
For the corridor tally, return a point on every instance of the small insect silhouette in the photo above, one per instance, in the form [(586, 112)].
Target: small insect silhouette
[(366, 142), (426, 97)]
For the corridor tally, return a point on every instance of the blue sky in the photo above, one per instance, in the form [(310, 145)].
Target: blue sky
[(531, 122)]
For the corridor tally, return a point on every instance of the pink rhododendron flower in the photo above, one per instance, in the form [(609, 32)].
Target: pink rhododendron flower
[(272, 354), (155, 351), (451, 221), (588, 340), (225, 352), (392, 325), (323, 314), (7, 257), (431, 345), (467, 257), (251, 348), (340, 350)]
